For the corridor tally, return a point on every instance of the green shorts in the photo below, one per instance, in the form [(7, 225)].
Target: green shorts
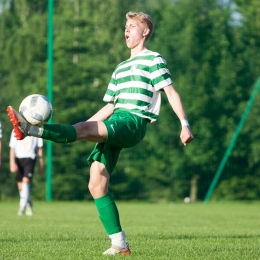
[(124, 130)]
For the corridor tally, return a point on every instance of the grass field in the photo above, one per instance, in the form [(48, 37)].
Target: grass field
[(71, 230)]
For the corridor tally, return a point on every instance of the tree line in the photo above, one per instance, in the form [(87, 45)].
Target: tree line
[(212, 51)]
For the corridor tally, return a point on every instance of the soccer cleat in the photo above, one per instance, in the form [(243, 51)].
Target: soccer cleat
[(20, 125), (113, 250), (20, 212), (28, 210)]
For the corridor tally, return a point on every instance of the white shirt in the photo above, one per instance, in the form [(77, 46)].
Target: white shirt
[(25, 148), (0, 131)]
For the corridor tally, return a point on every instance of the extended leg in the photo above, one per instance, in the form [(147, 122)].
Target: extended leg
[(94, 131)]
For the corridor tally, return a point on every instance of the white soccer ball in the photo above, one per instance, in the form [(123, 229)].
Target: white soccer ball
[(187, 200), (36, 109)]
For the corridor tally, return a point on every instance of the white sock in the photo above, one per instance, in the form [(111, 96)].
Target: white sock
[(35, 131), (24, 195), (118, 239)]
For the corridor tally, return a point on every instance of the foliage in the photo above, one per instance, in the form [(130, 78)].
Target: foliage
[(236, 188), (214, 61)]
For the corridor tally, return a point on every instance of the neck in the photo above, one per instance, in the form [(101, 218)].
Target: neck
[(136, 50)]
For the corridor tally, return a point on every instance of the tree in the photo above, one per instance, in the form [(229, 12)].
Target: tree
[(214, 62)]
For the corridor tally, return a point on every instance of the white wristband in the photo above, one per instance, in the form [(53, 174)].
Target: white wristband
[(184, 122)]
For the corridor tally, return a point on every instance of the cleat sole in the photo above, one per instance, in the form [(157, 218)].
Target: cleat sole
[(15, 122)]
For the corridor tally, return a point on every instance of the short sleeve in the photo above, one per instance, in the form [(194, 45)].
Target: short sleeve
[(111, 89), (160, 75), (39, 142), (1, 131)]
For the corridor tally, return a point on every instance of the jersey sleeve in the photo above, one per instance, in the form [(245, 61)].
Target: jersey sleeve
[(111, 89), (1, 131), (39, 142), (12, 140), (160, 75)]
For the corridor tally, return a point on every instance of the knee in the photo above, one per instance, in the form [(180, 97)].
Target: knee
[(97, 189), (99, 178), (91, 187)]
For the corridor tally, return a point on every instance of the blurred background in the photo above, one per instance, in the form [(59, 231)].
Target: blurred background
[(212, 50)]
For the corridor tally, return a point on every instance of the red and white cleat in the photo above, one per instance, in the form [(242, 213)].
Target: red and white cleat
[(113, 250), (20, 125)]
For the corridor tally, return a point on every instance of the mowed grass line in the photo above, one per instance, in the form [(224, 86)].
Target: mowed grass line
[(72, 230)]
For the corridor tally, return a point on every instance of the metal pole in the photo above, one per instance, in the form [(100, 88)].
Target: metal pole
[(233, 141), (49, 95)]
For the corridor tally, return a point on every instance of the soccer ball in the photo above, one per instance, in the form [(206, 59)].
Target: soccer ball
[(187, 200), (36, 109)]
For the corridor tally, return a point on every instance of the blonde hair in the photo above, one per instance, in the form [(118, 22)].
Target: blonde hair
[(144, 19)]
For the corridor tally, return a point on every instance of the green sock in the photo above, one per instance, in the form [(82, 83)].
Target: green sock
[(59, 133), (108, 214)]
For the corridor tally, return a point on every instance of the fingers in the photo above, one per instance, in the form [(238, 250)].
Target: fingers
[(186, 139)]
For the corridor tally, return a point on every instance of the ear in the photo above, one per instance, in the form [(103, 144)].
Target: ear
[(146, 32)]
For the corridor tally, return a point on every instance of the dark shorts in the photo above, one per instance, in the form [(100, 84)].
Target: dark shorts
[(124, 130), (25, 168)]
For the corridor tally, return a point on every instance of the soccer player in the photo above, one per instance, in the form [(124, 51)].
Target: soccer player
[(133, 99), (23, 156), (0, 144)]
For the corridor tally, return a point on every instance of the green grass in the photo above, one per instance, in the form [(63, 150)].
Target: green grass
[(71, 230)]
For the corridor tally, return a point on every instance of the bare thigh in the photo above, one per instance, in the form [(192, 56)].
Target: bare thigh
[(94, 131)]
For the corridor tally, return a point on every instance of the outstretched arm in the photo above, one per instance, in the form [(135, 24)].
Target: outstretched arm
[(177, 106), (13, 165), (41, 162)]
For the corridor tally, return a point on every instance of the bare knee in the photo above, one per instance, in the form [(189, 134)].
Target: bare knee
[(97, 190), (99, 178)]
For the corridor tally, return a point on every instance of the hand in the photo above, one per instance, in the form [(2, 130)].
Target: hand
[(186, 135), (13, 168), (41, 169)]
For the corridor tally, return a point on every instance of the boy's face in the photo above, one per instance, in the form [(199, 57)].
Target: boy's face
[(134, 33)]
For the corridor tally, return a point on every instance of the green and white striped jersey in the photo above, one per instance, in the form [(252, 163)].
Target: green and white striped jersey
[(135, 84)]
